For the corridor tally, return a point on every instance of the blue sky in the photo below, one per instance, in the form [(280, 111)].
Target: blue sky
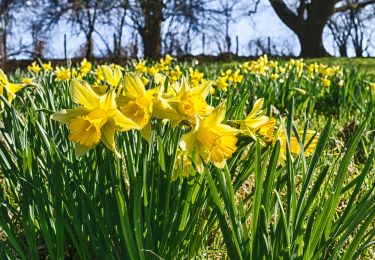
[(263, 24)]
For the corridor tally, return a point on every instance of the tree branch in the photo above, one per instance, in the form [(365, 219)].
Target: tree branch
[(353, 6), (284, 13)]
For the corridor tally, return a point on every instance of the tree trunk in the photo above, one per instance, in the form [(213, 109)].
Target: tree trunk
[(343, 51), (358, 51), (311, 40), (151, 32), (3, 49), (89, 44), (308, 23), (4, 37)]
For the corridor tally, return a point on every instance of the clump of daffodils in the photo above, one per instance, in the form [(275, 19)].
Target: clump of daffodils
[(119, 101), (95, 120)]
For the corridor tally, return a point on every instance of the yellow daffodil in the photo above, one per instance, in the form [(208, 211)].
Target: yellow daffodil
[(168, 58), (10, 88), (98, 72), (295, 146), (85, 67), (137, 103), (99, 88), (211, 140), (159, 78), (274, 76), (152, 70), (145, 80), (141, 67), (326, 82), (182, 165), (34, 67), (62, 74), (221, 83), (112, 75), (175, 74), (96, 119), (114, 65), (273, 64), (188, 104), (47, 66), (164, 63), (267, 130), (254, 120), (28, 81), (195, 76), (236, 76)]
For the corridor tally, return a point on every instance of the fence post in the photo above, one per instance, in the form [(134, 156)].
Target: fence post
[(65, 55), (203, 43), (237, 45)]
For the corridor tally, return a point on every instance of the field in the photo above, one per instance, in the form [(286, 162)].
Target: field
[(164, 159)]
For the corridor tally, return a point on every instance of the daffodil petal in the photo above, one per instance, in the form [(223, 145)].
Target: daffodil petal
[(67, 115), (3, 78), (11, 96), (146, 132), (13, 88), (133, 85), (122, 122), (83, 94), (182, 87), (258, 104), (159, 78), (163, 109), (220, 164), (202, 90), (108, 136), (187, 141), (199, 165), (122, 101), (225, 129), (108, 101), (215, 117), (256, 122), (111, 75)]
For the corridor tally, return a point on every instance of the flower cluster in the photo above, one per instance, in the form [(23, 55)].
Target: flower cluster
[(112, 98), (128, 105)]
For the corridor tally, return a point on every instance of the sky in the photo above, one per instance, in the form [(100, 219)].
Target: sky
[(265, 23)]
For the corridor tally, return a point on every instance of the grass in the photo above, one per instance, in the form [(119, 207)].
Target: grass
[(364, 65), (291, 195)]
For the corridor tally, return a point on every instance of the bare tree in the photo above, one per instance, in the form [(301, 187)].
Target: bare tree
[(307, 19), (8, 14), (352, 27), (211, 18), (82, 14), (147, 18), (340, 26), (230, 11), (120, 13), (360, 20)]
